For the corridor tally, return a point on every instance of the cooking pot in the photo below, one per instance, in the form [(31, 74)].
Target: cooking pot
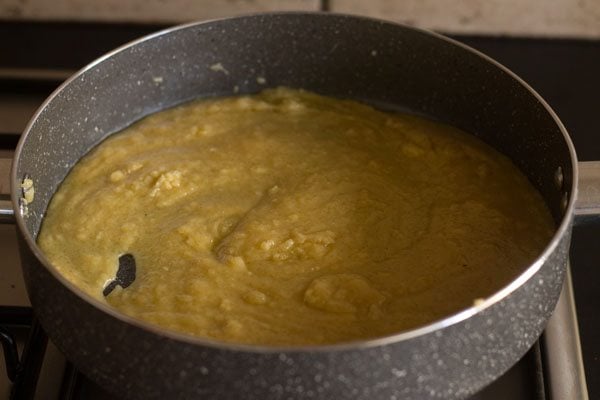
[(388, 65)]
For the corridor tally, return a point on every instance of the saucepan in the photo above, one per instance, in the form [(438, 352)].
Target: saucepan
[(382, 63)]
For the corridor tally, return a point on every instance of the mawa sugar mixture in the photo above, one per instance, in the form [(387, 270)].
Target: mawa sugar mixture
[(289, 218)]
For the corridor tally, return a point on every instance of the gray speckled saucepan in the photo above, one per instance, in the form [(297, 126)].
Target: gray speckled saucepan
[(353, 57)]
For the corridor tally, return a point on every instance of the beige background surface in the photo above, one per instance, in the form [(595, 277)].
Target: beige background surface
[(578, 18), (145, 10), (554, 18)]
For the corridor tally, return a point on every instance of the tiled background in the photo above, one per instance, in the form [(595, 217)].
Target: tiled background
[(548, 18)]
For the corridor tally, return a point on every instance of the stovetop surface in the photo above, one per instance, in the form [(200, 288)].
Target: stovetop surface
[(565, 72)]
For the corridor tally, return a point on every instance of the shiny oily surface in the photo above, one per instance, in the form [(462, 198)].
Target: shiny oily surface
[(290, 218)]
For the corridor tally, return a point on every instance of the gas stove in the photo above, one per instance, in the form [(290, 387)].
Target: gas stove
[(41, 55)]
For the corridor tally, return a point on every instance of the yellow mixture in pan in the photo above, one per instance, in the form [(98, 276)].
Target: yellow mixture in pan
[(289, 218)]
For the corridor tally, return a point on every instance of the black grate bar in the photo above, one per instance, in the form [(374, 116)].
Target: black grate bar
[(540, 383), (29, 370), (70, 384), (16, 316), (11, 354)]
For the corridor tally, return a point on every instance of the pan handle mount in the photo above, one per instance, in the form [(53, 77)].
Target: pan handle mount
[(587, 204), (7, 214)]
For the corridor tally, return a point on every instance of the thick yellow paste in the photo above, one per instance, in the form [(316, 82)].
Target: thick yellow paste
[(288, 218)]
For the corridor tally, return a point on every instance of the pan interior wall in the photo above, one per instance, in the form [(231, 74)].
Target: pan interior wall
[(368, 60)]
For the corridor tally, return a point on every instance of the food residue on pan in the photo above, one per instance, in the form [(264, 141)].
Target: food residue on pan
[(218, 67), (478, 302), (28, 190), (27, 195)]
